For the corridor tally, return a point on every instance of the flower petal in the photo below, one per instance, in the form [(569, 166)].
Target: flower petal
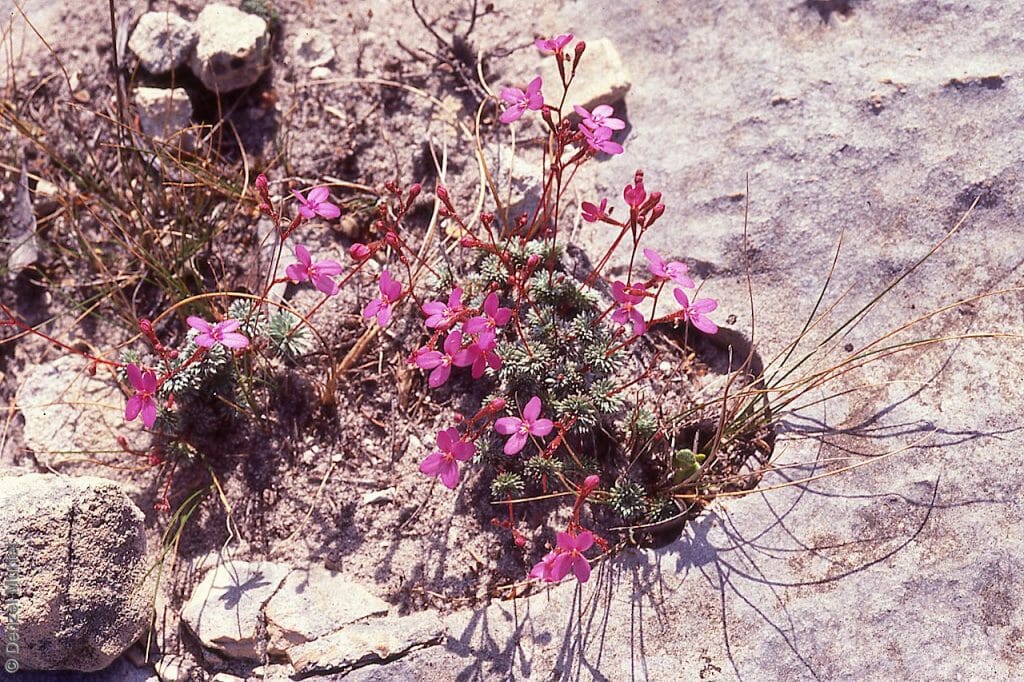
[(506, 426), (149, 382), (542, 427), (532, 409), (328, 211), (372, 308), (199, 324), (431, 465), (450, 474), (133, 407), (296, 272), (516, 443), (705, 325), (234, 340), (581, 567), (148, 413), (135, 378), (439, 375)]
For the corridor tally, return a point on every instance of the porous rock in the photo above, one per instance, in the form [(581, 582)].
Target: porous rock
[(311, 48), (233, 49), (71, 413), (164, 113), (225, 609), (316, 602), (367, 642), (74, 568), (162, 41), (600, 79)]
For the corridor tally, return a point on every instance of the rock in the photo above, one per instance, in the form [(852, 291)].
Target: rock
[(172, 669), (233, 49), (319, 73), (227, 677), (70, 414), (519, 174), (162, 41), (364, 643), (164, 114), (311, 48), (600, 79), (225, 610), (382, 496), (75, 568), (21, 228), (313, 603)]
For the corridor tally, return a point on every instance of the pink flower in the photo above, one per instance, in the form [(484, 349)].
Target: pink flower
[(142, 402), (556, 44), (601, 116), (493, 317), (480, 354), (316, 204), (674, 271), (544, 568), (694, 314), (520, 429), (635, 196), (570, 557), (224, 333), (440, 362), (592, 213), (441, 316), (443, 462), (627, 312), (520, 101), (390, 290), (319, 273), (600, 139)]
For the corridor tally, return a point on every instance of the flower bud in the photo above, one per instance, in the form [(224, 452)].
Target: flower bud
[(359, 251), (533, 261), (496, 405), (469, 241), (580, 47), (589, 483), (391, 239), (261, 185), (414, 190), (441, 193), (146, 327)]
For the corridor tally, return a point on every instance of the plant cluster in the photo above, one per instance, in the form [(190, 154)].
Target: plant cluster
[(555, 357)]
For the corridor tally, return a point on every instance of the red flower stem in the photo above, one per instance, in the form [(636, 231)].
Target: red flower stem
[(28, 329)]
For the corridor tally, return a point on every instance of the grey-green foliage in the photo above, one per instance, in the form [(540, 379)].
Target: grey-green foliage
[(506, 485), (289, 336), (629, 500), (539, 468), (570, 355)]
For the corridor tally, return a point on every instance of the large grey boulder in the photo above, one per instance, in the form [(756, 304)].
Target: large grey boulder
[(162, 41), (74, 569), (233, 49)]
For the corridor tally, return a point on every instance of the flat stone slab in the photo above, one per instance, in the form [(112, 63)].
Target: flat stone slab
[(225, 609), (315, 602), (368, 642)]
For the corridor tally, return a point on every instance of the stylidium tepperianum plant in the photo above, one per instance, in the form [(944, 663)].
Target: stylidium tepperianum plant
[(554, 355)]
